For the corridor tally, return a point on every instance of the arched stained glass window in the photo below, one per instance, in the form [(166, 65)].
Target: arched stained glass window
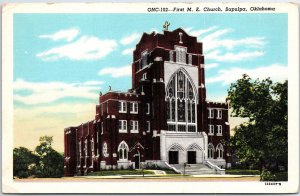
[(181, 103), (123, 151), (211, 151), (220, 151)]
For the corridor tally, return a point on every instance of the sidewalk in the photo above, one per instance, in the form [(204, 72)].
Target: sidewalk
[(148, 178), (168, 176)]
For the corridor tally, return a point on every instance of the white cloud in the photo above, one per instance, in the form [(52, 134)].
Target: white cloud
[(215, 40), (128, 51), (47, 92), (214, 44), (276, 72), (116, 72), (199, 32), (66, 34), (85, 48), (211, 65), (129, 39), (255, 42), (229, 56)]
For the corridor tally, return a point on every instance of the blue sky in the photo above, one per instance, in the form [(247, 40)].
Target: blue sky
[(62, 61)]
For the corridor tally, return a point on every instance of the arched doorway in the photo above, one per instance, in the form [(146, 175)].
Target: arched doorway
[(173, 153), (194, 154)]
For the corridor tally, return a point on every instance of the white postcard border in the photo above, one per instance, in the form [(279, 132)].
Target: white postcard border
[(11, 186)]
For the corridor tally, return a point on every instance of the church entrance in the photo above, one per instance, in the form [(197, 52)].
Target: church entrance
[(137, 161), (191, 157), (173, 157)]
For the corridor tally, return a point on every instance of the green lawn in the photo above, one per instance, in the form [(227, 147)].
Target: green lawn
[(170, 171), (119, 172), (242, 172)]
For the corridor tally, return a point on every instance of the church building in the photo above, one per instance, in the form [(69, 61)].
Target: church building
[(164, 119)]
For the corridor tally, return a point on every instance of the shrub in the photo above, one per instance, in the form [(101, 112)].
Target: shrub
[(153, 167), (119, 172), (130, 167), (267, 176), (273, 176)]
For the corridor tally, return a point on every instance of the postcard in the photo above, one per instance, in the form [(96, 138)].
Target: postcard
[(150, 98)]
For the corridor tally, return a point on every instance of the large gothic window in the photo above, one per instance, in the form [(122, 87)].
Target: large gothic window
[(181, 103), (123, 151)]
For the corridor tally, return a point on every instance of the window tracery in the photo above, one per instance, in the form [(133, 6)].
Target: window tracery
[(123, 151), (220, 151), (181, 104), (211, 151)]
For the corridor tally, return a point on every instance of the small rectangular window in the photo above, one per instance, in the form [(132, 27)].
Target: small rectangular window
[(210, 113), (219, 114), (125, 125), (148, 108), (122, 126), (134, 126), (122, 107), (97, 137), (131, 125), (210, 129), (133, 107), (148, 126), (144, 58), (219, 133)]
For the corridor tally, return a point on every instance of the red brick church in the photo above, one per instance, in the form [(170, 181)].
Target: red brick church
[(164, 119)]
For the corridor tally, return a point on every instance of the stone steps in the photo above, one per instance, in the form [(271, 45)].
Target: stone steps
[(195, 169)]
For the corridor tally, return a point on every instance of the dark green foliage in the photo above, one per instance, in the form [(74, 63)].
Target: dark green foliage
[(119, 172), (131, 167), (51, 163), (170, 171), (273, 176), (242, 172), (24, 162), (152, 166), (44, 162), (262, 141)]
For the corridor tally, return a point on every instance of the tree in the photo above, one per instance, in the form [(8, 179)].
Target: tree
[(24, 162), (262, 141), (51, 163)]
